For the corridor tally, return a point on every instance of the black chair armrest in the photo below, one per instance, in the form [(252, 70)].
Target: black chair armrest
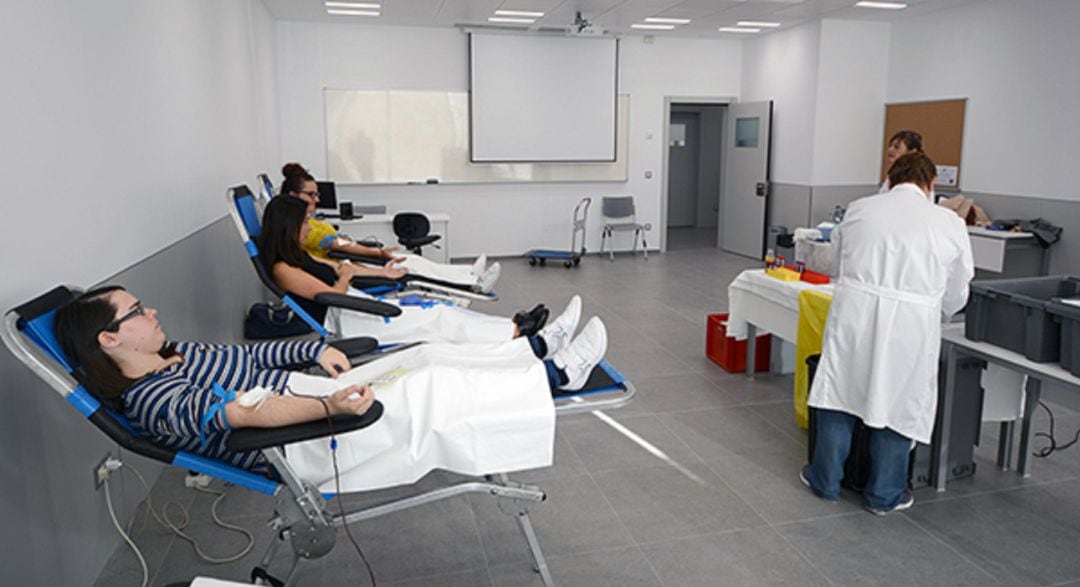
[(355, 347), (343, 255), (248, 439), (365, 281), (359, 304)]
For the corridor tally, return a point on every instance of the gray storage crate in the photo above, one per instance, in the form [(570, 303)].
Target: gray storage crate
[(1011, 313), (1068, 318)]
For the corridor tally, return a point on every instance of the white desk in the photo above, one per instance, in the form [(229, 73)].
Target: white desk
[(756, 300), (381, 227)]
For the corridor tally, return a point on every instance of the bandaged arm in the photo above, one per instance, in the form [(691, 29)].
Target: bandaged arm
[(283, 410)]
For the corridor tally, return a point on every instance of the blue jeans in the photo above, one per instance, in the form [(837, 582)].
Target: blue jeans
[(889, 452)]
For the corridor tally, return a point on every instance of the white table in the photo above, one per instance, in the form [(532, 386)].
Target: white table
[(756, 300), (954, 344), (381, 227)]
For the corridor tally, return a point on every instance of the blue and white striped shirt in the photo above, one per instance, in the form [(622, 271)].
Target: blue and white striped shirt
[(169, 406)]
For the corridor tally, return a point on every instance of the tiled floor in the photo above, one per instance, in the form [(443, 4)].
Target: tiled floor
[(723, 507)]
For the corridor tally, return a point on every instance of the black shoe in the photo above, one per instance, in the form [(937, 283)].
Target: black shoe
[(529, 323)]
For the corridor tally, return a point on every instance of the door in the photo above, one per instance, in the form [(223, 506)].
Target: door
[(746, 178), (683, 169)]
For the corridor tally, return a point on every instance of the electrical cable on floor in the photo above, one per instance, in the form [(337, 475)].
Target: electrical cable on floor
[(116, 523), (1046, 451)]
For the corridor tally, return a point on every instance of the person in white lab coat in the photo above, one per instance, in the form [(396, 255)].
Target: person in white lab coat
[(900, 144), (904, 264)]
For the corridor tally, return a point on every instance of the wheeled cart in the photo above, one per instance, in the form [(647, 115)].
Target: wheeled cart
[(572, 257)]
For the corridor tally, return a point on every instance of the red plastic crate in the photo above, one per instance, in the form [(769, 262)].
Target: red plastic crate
[(729, 353)]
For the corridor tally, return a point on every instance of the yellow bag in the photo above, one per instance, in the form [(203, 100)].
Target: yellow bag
[(813, 310)]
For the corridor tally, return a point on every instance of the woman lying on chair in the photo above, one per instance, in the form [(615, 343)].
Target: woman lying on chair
[(322, 238), (305, 276), (167, 389)]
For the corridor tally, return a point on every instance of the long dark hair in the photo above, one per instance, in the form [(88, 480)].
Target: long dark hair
[(280, 236), (78, 324), (294, 177)]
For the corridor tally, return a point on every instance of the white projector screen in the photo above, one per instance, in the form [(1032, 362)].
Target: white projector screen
[(542, 98)]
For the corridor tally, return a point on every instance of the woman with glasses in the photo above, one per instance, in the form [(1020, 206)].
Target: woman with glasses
[(322, 238), (186, 395)]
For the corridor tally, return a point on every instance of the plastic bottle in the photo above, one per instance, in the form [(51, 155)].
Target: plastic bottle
[(770, 259)]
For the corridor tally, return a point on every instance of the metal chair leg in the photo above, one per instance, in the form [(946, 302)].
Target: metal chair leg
[(534, 547)]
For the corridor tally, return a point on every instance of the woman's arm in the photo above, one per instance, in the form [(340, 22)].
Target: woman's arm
[(282, 353), (283, 410), (297, 281)]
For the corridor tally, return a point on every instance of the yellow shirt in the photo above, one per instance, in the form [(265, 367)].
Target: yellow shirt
[(319, 238)]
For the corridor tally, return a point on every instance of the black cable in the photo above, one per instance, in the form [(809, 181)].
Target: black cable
[(337, 481), (1046, 451)]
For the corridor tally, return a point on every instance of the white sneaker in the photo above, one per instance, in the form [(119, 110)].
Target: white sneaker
[(578, 359), (480, 265), (557, 334), (489, 277)]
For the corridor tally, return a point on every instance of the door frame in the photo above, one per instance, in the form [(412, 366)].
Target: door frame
[(668, 101)]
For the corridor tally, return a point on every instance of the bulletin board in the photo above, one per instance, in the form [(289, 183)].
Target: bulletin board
[(941, 124)]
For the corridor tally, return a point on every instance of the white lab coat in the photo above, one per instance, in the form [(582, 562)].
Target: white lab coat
[(904, 264)]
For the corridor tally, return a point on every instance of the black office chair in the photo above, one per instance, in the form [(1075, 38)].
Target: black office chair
[(412, 230)]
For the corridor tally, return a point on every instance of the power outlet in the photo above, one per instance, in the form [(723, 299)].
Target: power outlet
[(101, 463)]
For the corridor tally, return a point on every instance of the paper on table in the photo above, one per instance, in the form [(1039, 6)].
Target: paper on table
[(1072, 302)]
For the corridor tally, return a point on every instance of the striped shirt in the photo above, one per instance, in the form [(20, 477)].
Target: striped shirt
[(169, 406)]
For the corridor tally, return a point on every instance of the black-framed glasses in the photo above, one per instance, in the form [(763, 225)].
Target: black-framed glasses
[(313, 194), (115, 324)]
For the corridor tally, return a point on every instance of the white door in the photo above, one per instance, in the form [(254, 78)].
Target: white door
[(746, 178)]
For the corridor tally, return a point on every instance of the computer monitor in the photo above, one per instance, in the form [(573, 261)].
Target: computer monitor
[(327, 195)]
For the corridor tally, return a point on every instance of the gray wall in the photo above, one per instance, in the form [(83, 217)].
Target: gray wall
[(710, 169), (59, 531)]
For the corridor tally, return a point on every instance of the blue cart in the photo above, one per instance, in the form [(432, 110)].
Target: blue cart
[(572, 257)]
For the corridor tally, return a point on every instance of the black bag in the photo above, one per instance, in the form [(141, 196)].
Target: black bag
[(268, 321)]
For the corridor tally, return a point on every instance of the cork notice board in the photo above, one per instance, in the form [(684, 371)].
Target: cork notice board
[(941, 124)]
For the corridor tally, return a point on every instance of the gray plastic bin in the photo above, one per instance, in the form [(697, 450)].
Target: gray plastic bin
[(1011, 313), (1068, 318)]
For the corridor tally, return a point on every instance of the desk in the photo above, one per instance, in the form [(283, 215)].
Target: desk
[(381, 227), (955, 345), (1007, 254), (756, 300)]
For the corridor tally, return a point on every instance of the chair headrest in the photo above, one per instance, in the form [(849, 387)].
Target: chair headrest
[(411, 225), (244, 202)]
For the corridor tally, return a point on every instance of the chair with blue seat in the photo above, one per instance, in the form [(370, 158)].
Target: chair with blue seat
[(620, 216)]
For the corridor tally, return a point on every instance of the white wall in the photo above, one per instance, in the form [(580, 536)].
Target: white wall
[(783, 67), (1015, 62), (494, 218), (124, 123), (849, 111)]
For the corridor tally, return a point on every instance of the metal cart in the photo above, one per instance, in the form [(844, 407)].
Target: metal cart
[(572, 257)]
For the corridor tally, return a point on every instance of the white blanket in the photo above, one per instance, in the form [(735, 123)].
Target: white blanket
[(469, 408), (438, 323)]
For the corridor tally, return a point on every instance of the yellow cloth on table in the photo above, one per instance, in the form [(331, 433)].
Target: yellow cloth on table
[(813, 309)]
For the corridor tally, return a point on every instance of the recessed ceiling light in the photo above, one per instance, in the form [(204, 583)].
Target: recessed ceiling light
[(885, 5), (658, 19), (354, 5), (763, 24), (511, 19), (524, 13), (352, 12), (653, 27), (734, 29)]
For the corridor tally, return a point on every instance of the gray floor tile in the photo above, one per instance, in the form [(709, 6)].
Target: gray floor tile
[(675, 393), (471, 578), (724, 432), (662, 503), (862, 549), (749, 557), (625, 567), (575, 519), (183, 564), (604, 448), (637, 362)]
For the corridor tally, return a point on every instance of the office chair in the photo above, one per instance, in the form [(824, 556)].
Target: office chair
[(412, 230)]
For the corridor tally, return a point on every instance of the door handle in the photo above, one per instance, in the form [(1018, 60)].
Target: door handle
[(761, 189)]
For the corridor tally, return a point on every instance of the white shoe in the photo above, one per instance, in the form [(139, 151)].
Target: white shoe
[(557, 334), (479, 266), (488, 279), (584, 353)]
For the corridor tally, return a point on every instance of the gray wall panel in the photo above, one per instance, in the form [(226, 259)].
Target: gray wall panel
[(789, 205), (826, 197), (59, 526)]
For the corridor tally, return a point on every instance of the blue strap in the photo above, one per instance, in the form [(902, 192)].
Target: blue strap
[(224, 397), (327, 242), (412, 300)]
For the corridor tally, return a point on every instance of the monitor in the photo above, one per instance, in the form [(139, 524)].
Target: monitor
[(327, 195)]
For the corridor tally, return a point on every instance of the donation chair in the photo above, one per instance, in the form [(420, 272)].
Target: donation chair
[(408, 284), (413, 230), (301, 515), (620, 216)]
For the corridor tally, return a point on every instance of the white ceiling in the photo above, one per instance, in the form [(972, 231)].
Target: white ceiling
[(614, 16)]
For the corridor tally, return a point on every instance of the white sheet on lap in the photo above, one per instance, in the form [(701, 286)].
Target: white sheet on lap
[(469, 408), (437, 324)]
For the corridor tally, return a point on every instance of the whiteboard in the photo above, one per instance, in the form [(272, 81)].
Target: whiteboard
[(409, 137), (542, 97)]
